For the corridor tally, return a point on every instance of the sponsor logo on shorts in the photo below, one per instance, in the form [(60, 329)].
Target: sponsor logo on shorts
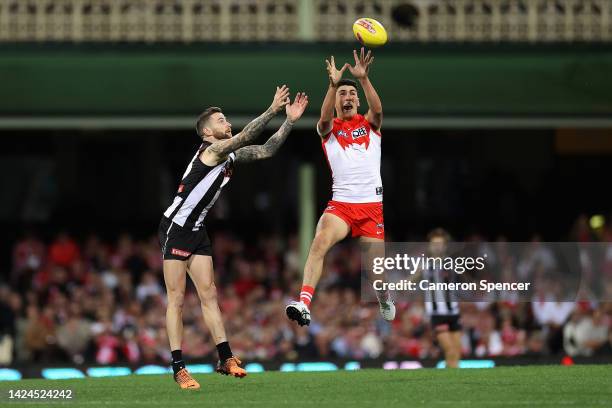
[(179, 252), (330, 207)]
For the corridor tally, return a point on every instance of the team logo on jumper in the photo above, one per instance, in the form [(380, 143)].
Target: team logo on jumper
[(228, 170), (379, 190), (179, 252), (360, 132), (359, 139)]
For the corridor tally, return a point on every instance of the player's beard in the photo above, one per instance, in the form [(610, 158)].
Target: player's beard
[(223, 135)]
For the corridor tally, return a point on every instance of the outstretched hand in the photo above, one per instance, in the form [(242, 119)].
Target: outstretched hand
[(362, 64), (334, 74), (281, 98), (296, 109)]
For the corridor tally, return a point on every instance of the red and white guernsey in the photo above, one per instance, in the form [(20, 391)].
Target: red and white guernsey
[(353, 153)]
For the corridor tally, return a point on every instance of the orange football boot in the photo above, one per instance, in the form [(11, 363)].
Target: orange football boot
[(185, 380), (231, 366)]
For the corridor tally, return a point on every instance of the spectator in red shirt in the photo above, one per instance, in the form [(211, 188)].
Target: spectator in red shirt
[(63, 251)]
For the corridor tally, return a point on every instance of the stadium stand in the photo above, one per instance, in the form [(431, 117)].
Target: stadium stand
[(95, 301)]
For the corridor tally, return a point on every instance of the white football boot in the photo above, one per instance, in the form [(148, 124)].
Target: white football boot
[(299, 312), (387, 309)]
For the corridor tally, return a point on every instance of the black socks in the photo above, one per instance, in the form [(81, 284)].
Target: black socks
[(224, 351), (177, 361)]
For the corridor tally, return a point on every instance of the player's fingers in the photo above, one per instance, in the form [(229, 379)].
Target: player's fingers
[(344, 67), (332, 61), (355, 56), (371, 60), (368, 55)]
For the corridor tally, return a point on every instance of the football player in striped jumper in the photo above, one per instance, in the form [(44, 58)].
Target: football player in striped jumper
[(442, 306), (185, 244)]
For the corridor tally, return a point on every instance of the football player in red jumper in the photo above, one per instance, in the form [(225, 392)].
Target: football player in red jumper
[(351, 143)]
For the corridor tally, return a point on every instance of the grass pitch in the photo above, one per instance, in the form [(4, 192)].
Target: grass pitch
[(542, 386)]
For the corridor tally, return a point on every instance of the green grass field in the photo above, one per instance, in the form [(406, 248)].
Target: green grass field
[(550, 386)]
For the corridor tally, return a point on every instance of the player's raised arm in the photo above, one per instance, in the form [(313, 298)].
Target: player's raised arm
[(217, 152), (325, 123), (360, 72), (294, 113)]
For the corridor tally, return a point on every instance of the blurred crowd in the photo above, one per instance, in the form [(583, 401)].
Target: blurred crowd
[(95, 301)]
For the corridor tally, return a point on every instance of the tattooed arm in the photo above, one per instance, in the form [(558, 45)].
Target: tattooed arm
[(218, 151), (251, 153), (294, 112)]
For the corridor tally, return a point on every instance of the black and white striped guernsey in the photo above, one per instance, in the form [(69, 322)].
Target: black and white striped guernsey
[(440, 302), (199, 189)]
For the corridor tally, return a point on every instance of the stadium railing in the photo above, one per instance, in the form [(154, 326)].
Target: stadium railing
[(187, 21)]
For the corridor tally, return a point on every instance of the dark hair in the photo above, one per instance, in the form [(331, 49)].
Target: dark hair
[(204, 116), (439, 233), (348, 82)]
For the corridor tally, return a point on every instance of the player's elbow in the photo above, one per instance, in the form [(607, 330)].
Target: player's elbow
[(266, 152), (375, 118)]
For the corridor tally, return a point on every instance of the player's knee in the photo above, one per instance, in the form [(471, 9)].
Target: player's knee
[(176, 298), (321, 244), (208, 293)]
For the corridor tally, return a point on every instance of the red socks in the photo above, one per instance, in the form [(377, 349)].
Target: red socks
[(306, 294)]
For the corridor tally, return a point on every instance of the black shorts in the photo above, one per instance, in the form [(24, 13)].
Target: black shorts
[(442, 323), (180, 243)]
